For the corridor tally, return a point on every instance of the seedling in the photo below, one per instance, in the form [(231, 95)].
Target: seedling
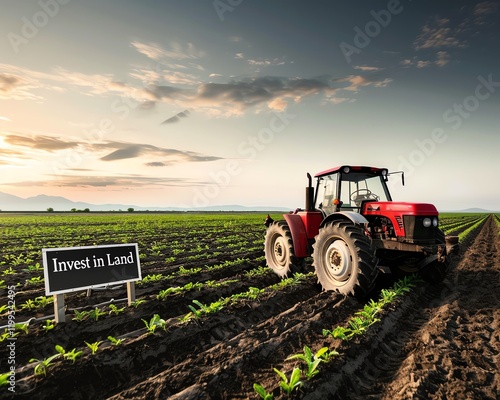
[(137, 303), (34, 268), (93, 346), (198, 312), (43, 365), (388, 296), (115, 310), (35, 281), (115, 341), (289, 386), (9, 271), (80, 315), (73, 355), (154, 323), (311, 360), (68, 355), (339, 332), (28, 305), (96, 313), (4, 379), (49, 325), (262, 392), (22, 327)]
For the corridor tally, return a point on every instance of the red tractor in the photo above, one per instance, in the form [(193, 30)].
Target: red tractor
[(352, 228)]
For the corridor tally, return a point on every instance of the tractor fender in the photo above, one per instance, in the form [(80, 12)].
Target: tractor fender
[(354, 217), (299, 234)]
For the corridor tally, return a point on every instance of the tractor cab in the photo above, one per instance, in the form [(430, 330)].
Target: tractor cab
[(346, 188)]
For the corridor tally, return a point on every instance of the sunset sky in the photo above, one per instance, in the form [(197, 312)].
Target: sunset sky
[(200, 103)]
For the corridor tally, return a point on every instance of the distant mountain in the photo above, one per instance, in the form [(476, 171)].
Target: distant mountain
[(474, 210), (41, 202)]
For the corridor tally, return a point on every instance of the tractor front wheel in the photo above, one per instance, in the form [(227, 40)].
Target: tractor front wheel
[(344, 258), (279, 252)]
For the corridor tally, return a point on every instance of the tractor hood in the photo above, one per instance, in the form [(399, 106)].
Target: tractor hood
[(398, 208)]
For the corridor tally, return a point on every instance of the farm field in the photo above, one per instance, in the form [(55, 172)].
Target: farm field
[(211, 320)]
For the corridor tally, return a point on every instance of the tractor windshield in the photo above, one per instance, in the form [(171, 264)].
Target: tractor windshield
[(346, 191), (356, 187)]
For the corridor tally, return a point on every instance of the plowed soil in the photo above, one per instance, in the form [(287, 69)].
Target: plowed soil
[(437, 342)]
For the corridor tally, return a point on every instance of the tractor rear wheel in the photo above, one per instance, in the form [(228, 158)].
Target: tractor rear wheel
[(279, 252), (344, 258)]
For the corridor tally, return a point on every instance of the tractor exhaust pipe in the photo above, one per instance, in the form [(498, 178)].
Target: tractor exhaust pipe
[(309, 194)]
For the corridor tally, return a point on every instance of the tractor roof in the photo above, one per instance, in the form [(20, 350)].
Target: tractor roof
[(372, 170)]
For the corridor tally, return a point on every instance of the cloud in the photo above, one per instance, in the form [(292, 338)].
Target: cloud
[(356, 82), (17, 83), (238, 96), (266, 63), (439, 34), (40, 142), (367, 68), (175, 81), (111, 181), (177, 117), (125, 151), (176, 51), (107, 151), (483, 10), (96, 84), (442, 59)]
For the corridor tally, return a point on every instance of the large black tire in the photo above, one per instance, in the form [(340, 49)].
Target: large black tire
[(344, 258), (278, 249)]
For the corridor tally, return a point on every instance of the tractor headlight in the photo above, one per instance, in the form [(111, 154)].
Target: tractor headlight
[(427, 222), (435, 222)]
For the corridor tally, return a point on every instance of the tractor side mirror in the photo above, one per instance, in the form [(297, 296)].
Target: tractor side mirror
[(402, 175)]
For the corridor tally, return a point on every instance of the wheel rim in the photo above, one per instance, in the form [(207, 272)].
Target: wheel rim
[(280, 251), (338, 261)]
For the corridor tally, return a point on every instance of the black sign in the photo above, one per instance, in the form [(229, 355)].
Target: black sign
[(76, 268)]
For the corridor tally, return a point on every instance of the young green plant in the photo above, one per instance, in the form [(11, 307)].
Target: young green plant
[(312, 361), (42, 366), (289, 386), (93, 346), (259, 389)]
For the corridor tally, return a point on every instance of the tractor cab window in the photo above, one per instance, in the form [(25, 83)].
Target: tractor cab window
[(357, 187), (326, 194)]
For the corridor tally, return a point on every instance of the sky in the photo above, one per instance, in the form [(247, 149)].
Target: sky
[(200, 103)]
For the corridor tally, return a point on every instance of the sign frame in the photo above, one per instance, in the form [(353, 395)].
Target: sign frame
[(59, 306), (46, 274)]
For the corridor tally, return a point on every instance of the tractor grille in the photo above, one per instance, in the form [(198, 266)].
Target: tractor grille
[(399, 220), (417, 232)]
